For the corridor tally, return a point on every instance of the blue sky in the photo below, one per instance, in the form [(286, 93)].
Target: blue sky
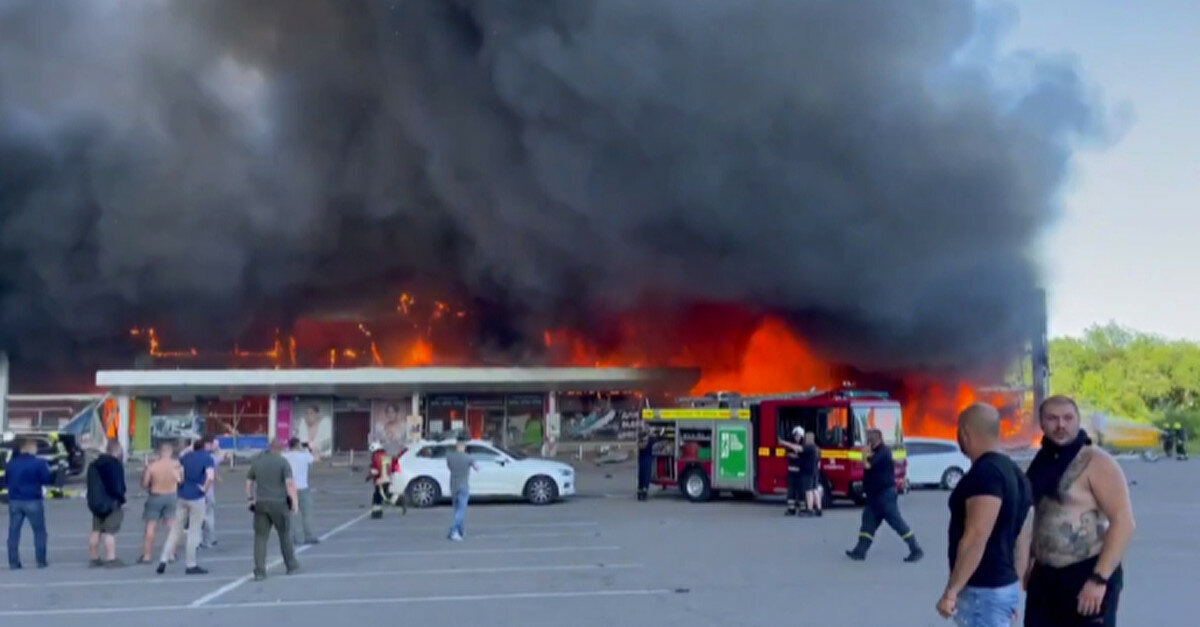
[(1128, 247)]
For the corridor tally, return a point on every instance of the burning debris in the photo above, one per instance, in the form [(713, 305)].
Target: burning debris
[(581, 174)]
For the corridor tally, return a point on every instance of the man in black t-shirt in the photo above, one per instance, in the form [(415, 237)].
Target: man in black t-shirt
[(989, 527)]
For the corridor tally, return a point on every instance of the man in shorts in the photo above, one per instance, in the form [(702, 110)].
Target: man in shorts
[(160, 479), (105, 498)]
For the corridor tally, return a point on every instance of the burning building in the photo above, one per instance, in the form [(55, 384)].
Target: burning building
[(783, 194)]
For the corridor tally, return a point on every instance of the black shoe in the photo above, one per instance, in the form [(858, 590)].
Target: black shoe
[(43, 565), (260, 576), (195, 570), (313, 541), (789, 512), (14, 567), (114, 563), (96, 563), (856, 556), (819, 513), (915, 555), (162, 568), (293, 571)]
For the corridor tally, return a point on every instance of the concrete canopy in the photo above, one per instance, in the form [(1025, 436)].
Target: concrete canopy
[(384, 382)]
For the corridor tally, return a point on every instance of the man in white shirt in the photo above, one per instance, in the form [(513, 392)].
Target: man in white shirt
[(301, 457)]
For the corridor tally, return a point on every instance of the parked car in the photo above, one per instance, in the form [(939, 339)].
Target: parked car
[(935, 462), (502, 473)]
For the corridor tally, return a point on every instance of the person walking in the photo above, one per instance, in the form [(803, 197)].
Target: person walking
[(198, 475), (106, 501), (160, 479), (379, 479), (1082, 524), (460, 465), (879, 483), (27, 475), (300, 459), (990, 526), (271, 491)]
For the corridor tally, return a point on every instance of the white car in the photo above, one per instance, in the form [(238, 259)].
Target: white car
[(933, 461), (425, 479)]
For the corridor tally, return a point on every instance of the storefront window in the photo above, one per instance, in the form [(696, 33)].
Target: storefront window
[(599, 416)]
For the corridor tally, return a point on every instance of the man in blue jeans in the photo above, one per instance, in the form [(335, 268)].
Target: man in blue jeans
[(989, 528), (27, 475), (460, 465)]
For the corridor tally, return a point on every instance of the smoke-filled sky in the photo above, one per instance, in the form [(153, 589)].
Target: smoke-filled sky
[(876, 170)]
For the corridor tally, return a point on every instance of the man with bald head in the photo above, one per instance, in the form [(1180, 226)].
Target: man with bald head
[(271, 491), (989, 527)]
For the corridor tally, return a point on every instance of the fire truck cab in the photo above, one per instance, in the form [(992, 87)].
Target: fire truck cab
[(728, 442)]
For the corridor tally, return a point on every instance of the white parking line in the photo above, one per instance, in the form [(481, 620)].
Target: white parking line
[(389, 530), (327, 575), (467, 598), (234, 585)]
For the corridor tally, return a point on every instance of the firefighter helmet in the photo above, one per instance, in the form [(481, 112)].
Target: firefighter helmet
[(798, 432), (375, 446)]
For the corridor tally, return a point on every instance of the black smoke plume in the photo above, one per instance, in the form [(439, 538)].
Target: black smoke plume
[(876, 171)]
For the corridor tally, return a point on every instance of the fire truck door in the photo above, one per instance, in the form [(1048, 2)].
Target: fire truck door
[(733, 460)]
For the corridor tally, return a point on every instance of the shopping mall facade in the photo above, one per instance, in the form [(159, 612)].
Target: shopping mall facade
[(338, 410)]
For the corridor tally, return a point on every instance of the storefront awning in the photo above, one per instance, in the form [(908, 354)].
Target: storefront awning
[(386, 382)]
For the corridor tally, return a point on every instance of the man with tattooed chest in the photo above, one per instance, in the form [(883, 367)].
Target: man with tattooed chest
[(1082, 523)]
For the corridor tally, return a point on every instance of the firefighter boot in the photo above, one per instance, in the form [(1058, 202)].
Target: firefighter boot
[(791, 509), (914, 550), (376, 512), (859, 552)]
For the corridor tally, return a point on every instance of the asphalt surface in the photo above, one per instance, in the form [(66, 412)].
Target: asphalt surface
[(599, 559)]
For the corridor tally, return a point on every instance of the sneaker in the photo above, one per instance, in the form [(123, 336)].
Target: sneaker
[(260, 576), (456, 537), (162, 568), (43, 565), (195, 570), (96, 563), (820, 513), (293, 571), (114, 563), (143, 560)]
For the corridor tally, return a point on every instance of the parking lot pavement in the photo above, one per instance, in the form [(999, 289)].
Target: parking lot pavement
[(588, 561)]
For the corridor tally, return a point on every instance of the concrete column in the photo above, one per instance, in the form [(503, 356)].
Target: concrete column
[(415, 410), (123, 421), (273, 417)]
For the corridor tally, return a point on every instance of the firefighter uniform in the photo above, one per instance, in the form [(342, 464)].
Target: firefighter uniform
[(379, 479), (645, 463), (879, 484), (795, 491)]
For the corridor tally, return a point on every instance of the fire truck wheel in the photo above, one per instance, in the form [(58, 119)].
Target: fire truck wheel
[(951, 477), (696, 486), (540, 490), (423, 492)]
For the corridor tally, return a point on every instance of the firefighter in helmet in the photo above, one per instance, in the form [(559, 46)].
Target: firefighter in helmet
[(1180, 442), (795, 491), (379, 479)]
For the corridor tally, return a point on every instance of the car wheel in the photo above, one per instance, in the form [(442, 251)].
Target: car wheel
[(696, 486), (540, 490), (424, 492), (951, 477)]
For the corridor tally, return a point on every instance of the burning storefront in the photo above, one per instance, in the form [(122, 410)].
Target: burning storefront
[(344, 409)]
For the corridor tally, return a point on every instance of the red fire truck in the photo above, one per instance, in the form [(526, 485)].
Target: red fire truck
[(728, 442)]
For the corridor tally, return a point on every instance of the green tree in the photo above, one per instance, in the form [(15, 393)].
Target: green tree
[(1130, 374)]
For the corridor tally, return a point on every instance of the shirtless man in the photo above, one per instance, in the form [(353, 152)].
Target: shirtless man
[(160, 479), (1082, 523)]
